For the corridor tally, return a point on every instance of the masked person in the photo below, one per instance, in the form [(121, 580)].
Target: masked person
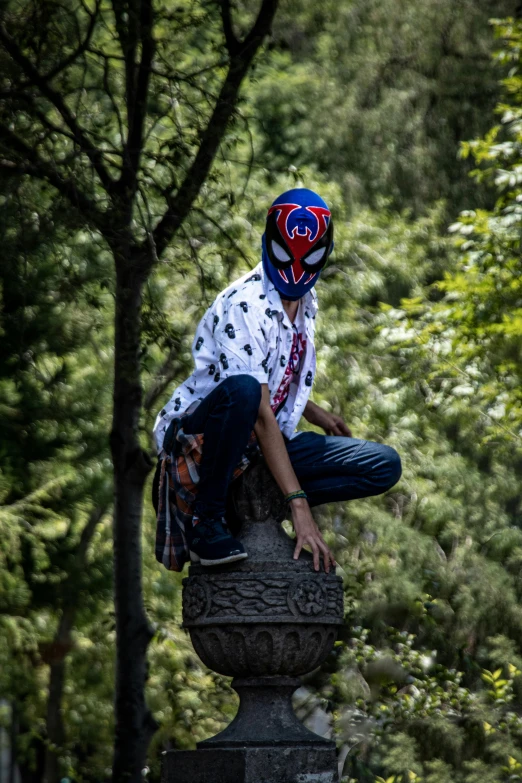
[(254, 368)]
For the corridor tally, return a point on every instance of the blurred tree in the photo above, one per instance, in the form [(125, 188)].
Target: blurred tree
[(472, 319), (437, 375), (92, 104), (432, 570), (377, 96), (51, 393)]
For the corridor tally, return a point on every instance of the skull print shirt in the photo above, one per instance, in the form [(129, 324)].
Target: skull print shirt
[(247, 331), (293, 367)]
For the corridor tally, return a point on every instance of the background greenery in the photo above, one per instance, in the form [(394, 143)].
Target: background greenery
[(385, 108)]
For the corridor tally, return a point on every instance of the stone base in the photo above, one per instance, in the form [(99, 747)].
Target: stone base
[(265, 717), (298, 764)]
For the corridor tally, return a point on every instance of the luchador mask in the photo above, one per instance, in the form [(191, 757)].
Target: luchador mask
[(297, 241)]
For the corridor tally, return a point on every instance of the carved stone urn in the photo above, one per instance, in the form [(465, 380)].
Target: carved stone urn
[(263, 621)]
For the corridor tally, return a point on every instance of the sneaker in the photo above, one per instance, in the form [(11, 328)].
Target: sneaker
[(210, 543)]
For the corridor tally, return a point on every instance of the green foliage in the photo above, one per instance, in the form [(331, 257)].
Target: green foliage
[(432, 569), (438, 376), (377, 96), (419, 338), (473, 323)]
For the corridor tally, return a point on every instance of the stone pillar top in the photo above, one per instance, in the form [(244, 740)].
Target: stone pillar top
[(257, 496), (260, 505), (265, 621)]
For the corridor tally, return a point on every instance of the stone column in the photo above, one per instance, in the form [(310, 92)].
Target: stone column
[(264, 621)]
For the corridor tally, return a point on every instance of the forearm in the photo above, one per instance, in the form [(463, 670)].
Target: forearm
[(273, 445), (275, 453), (312, 411), (276, 456)]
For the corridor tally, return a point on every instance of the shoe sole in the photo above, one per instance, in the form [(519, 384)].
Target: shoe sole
[(230, 559)]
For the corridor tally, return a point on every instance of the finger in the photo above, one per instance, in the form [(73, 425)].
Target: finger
[(297, 550), (322, 550), (326, 561), (326, 556), (345, 429), (315, 552), (327, 552), (337, 430)]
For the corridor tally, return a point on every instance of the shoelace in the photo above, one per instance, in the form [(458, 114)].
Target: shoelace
[(212, 529)]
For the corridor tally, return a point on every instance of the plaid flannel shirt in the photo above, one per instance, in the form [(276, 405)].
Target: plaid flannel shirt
[(177, 492)]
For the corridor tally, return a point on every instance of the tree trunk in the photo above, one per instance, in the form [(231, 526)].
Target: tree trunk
[(57, 652), (134, 722), (55, 730)]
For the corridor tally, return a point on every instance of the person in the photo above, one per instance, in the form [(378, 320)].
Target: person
[(255, 363)]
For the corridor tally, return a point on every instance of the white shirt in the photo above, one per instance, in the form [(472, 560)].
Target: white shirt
[(247, 331)]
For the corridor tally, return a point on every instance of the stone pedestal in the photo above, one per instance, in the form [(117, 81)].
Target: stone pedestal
[(299, 764), (264, 621)]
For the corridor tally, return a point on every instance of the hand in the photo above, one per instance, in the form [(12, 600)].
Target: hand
[(307, 532), (336, 426), (329, 422)]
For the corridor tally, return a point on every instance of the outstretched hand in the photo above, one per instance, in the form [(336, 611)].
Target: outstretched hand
[(335, 425), (331, 423), (307, 532)]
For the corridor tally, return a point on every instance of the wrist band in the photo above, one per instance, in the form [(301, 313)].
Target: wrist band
[(299, 493)]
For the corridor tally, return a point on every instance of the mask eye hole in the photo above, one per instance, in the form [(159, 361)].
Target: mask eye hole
[(316, 256), (279, 253)]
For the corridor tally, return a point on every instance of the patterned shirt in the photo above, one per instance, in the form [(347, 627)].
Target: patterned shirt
[(293, 368), (247, 331)]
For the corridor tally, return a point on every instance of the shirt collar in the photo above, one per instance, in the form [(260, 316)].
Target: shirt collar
[(274, 298)]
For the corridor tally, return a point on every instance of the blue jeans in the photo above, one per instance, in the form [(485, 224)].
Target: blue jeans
[(333, 468), (328, 468), (226, 417)]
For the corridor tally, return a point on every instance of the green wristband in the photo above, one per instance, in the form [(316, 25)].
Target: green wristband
[(299, 493)]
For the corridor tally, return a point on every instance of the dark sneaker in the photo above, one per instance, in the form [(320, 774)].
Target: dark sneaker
[(210, 543)]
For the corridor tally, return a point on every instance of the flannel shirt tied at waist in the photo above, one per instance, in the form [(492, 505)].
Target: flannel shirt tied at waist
[(177, 491)]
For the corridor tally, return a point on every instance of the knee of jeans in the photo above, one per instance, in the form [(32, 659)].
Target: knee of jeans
[(393, 466), (244, 389)]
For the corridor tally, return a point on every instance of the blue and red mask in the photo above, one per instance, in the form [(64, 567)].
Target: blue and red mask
[(297, 241)]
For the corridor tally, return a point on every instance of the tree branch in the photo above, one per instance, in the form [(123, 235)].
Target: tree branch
[(32, 164), (180, 204), (231, 41), (82, 46), (232, 242), (88, 531), (262, 24), (137, 94), (126, 19), (39, 81), (165, 375)]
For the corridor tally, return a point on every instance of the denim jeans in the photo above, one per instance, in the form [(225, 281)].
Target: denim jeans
[(226, 417), (334, 468), (328, 468)]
